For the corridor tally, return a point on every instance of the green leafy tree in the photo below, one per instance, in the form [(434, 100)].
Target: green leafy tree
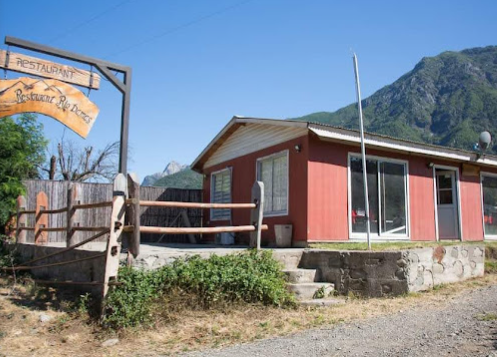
[(22, 148)]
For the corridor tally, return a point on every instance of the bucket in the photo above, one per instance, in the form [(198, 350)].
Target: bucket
[(283, 233)]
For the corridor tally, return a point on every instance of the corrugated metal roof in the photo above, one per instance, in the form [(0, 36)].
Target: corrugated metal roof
[(393, 142)]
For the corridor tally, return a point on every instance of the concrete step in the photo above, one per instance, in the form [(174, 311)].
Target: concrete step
[(300, 275), (321, 302), (290, 258), (307, 291)]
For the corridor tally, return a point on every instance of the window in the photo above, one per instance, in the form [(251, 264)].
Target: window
[(221, 193), (387, 191), (273, 172), (489, 191)]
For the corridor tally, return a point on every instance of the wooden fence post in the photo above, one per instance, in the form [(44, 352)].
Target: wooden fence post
[(186, 222), (257, 213), (72, 214), (22, 220), (41, 220), (116, 233), (133, 216)]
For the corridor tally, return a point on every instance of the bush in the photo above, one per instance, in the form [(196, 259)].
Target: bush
[(250, 277)]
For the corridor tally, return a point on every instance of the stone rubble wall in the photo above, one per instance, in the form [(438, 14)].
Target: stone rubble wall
[(394, 273), (427, 267)]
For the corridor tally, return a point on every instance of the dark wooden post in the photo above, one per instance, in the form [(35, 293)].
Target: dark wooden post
[(116, 233), (41, 219), (186, 222), (22, 220), (133, 215), (256, 214), (72, 214)]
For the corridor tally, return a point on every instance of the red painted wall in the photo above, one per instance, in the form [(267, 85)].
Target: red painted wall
[(318, 197), (243, 177), (472, 224), (327, 200), (328, 196)]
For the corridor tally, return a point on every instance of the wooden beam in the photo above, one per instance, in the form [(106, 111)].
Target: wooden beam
[(199, 230), (22, 220), (72, 214), (113, 250), (93, 205), (89, 229), (22, 267), (257, 213), (186, 222), (133, 216), (41, 220), (193, 204), (92, 238)]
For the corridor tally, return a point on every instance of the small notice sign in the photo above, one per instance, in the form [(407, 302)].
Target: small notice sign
[(31, 65), (50, 97)]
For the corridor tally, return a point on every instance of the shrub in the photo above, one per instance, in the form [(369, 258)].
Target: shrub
[(250, 277)]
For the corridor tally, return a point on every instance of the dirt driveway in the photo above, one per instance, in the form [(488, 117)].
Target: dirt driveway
[(465, 326)]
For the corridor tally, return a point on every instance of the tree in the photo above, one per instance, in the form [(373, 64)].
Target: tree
[(73, 163), (22, 148)]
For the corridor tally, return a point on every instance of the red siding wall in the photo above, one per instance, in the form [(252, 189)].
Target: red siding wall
[(328, 196), (243, 177), (421, 199), (318, 197), (327, 201), (472, 224)]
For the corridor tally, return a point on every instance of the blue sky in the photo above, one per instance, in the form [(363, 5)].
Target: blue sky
[(198, 63)]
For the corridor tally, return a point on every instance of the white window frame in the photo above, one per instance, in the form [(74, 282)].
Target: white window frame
[(485, 235), (356, 236), (257, 173), (458, 193), (230, 171)]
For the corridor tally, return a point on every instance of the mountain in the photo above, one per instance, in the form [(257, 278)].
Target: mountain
[(171, 168), (446, 100), (186, 178)]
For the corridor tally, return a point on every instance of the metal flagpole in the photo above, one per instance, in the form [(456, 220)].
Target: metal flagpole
[(363, 152)]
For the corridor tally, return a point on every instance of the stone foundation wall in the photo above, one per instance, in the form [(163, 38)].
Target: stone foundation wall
[(427, 267), (394, 272), (84, 271)]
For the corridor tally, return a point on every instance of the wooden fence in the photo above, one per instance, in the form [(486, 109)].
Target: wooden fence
[(124, 224), (56, 192)]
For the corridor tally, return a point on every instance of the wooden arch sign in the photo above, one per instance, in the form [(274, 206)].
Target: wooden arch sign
[(50, 97)]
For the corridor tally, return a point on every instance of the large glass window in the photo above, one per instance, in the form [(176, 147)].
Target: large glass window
[(221, 193), (387, 196), (273, 172), (489, 188)]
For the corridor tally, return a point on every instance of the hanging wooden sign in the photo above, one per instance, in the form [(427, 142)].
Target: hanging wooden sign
[(49, 97), (31, 65)]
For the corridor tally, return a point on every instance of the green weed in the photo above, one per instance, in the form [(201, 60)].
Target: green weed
[(249, 277)]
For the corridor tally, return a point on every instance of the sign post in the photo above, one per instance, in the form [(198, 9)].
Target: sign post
[(104, 67)]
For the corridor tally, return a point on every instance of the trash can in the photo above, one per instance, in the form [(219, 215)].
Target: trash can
[(283, 233)]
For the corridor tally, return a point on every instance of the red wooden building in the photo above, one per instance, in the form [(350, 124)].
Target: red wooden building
[(312, 175)]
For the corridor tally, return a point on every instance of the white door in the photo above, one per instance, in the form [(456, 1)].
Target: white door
[(447, 211)]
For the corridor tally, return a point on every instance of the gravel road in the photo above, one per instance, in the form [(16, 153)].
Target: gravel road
[(458, 328)]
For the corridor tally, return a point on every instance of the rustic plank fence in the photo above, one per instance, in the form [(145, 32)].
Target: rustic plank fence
[(125, 224), (57, 193)]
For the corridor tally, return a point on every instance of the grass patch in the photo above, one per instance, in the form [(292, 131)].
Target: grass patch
[(487, 317), (382, 246), (196, 283)]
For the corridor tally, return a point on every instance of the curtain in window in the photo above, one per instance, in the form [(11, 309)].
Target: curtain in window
[(273, 172), (221, 193)]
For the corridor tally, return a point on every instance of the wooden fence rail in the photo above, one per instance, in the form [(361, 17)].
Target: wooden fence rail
[(87, 193), (124, 221)]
